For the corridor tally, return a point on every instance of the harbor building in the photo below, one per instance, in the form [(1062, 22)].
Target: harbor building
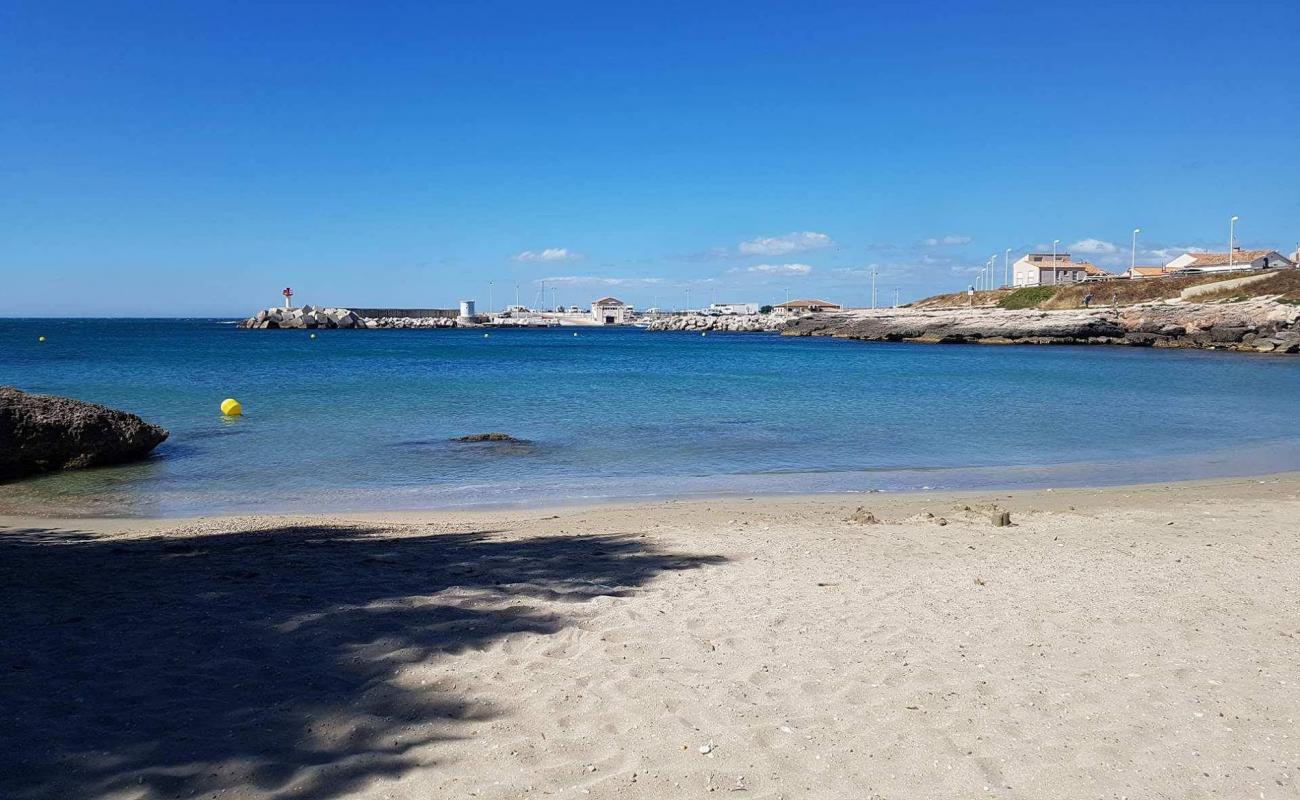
[(733, 308), (611, 311)]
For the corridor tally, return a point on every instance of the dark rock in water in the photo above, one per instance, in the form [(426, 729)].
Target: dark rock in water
[(41, 433), (487, 437)]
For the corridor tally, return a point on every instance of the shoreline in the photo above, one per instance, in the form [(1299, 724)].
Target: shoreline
[(1051, 498)]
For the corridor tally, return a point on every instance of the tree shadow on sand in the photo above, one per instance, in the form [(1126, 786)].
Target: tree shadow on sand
[(263, 662)]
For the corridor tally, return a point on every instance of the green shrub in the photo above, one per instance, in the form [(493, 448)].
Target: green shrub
[(1028, 297)]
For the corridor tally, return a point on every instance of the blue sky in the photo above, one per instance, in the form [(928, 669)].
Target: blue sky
[(188, 158)]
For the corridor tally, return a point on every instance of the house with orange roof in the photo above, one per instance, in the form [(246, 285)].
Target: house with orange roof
[(1048, 269), (794, 308), (1237, 259)]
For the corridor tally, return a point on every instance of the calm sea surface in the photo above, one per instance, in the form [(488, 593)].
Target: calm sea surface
[(362, 419)]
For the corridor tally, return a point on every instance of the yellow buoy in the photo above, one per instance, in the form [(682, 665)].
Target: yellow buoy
[(41, 339), (231, 407)]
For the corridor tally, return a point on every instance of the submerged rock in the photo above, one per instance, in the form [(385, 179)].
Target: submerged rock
[(487, 437), (43, 433)]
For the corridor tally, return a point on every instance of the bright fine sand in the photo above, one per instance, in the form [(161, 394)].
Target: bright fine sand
[(1138, 642)]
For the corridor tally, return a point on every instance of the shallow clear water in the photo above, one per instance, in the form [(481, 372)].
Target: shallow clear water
[(362, 419)]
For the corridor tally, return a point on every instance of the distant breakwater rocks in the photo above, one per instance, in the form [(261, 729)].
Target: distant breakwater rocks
[(731, 323), (1257, 325), (312, 317)]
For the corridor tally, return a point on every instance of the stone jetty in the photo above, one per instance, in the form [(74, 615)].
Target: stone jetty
[(304, 317), (1261, 325), (316, 317), (728, 323)]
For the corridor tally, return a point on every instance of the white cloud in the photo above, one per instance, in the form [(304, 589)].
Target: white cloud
[(1166, 254), (776, 269), (781, 245), (598, 280), (1094, 247), (949, 240), (549, 254)]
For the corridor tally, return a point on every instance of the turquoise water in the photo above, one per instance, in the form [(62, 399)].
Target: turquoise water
[(362, 419)]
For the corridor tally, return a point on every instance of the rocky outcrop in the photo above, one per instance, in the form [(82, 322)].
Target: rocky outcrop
[(732, 323), (41, 433), (1255, 325), (487, 437)]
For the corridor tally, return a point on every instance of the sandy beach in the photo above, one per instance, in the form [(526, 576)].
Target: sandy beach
[(1140, 642)]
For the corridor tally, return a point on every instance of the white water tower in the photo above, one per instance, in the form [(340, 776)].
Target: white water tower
[(466, 309)]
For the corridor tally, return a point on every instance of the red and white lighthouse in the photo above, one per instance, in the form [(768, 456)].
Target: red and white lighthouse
[(288, 294)]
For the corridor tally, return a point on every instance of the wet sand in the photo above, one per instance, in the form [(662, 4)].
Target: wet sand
[(1141, 642)]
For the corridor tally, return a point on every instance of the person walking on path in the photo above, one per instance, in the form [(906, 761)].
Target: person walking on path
[(1087, 300)]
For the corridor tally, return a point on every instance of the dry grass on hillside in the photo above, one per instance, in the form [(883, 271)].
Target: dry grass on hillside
[(1285, 283)]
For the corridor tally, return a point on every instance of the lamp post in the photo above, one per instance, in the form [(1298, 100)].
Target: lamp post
[(993, 270), (1232, 237), (1006, 267), (1133, 256), (1055, 242), (491, 308), (873, 287)]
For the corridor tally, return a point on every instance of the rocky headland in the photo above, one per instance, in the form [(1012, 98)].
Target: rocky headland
[(1260, 324), (43, 433)]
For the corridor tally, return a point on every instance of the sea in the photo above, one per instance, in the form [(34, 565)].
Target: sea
[(365, 420)]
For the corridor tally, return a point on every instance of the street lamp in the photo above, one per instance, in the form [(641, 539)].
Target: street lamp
[(490, 306), (1006, 267), (993, 267), (1232, 236), (1055, 242), (1133, 257)]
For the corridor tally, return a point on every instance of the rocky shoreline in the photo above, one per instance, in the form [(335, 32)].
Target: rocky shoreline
[(1260, 325)]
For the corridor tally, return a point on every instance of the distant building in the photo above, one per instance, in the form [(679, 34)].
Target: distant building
[(1238, 259), (611, 311), (794, 308), (1145, 272), (733, 308), (1044, 269)]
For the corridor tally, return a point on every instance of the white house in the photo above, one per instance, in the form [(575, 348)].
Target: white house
[(1238, 259), (794, 308), (611, 311), (1045, 269), (733, 308)]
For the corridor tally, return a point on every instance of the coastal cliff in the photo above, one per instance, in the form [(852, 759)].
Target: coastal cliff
[(1259, 324), (1256, 325)]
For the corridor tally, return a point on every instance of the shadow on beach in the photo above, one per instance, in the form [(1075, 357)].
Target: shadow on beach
[(265, 661)]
